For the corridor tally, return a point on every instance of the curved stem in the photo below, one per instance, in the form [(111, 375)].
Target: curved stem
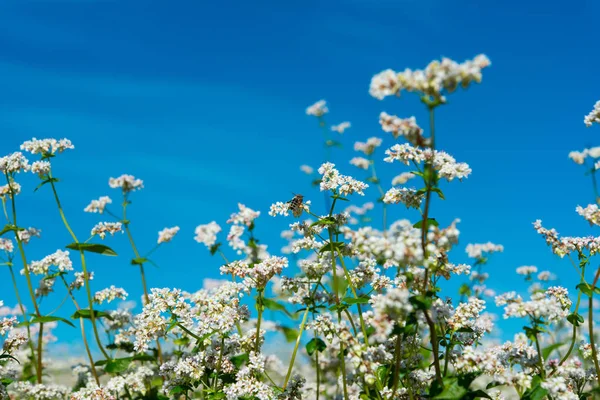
[(259, 308), (591, 326)]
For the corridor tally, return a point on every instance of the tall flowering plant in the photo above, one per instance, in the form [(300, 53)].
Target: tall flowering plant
[(360, 303)]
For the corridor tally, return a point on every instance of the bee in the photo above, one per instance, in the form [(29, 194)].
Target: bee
[(295, 205)]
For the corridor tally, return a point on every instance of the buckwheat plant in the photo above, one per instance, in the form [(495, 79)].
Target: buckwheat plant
[(347, 309)]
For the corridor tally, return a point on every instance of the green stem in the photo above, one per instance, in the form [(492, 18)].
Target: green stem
[(540, 357), (259, 308), (83, 335), (289, 372), (591, 326), (343, 362), (363, 326), (83, 267), (221, 351)]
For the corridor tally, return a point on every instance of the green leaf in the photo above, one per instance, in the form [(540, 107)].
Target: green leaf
[(315, 344), (548, 350), (452, 390), (139, 261), (275, 306), (535, 392), (214, 248), (430, 222), (118, 365), (92, 248), (438, 192), (337, 246), (585, 288), (373, 180), (360, 300), (324, 221), (290, 333), (338, 197), (143, 357), (464, 290), (85, 313), (239, 360), (8, 228), (477, 394), (179, 389), (45, 182), (575, 319), (49, 318), (421, 302)]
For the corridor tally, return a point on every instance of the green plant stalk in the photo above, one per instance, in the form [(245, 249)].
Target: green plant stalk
[(22, 308), (298, 339), (83, 335), (353, 289), (574, 336), (39, 367), (343, 362), (591, 326), (397, 366), (424, 226), (143, 275), (447, 355), (83, 267), (219, 363), (318, 368), (259, 308), (540, 356)]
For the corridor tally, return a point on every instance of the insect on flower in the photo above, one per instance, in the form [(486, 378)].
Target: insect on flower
[(295, 205)]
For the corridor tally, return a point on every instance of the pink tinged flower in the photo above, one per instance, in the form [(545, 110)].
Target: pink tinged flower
[(369, 147), (11, 188), (59, 259), (207, 234), (25, 235), (127, 183), (167, 234), (6, 245), (591, 213), (409, 197), (102, 228), (402, 178), (318, 109), (98, 206), (333, 180)]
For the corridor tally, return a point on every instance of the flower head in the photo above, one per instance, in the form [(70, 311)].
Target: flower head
[(127, 183)]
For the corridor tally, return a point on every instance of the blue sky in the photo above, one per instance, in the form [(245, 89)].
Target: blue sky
[(205, 102)]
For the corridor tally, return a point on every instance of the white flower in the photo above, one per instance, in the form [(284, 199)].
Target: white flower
[(384, 84), (306, 169), (527, 270), (409, 197), (207, 234), (25, 235), (42, 168), (360, 162), (6, 245), (109, 294), (478, 250), (245, 216), (318, 109), (167, 234), (332, 180), (593, 116), (12, 163), (591, 213), (46, 146), (340, 128), (60, 259), (369, 147), (102, 228), (402, 178), (127, 183), (98, 206)]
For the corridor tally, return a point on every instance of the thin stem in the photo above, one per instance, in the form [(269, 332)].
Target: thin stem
[(363, 326), (221, 351), (83, 267), (259, 308), (291, 366), (83, 335), (39, 351), (591, 326), (343, 362), (574, 336), (540, 357), (396, 365)]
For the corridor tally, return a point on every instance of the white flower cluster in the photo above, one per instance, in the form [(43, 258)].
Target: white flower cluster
[(402, 178), (6, 245), (207, 233), (59, 259), (566, 245), (369, 146), (257, 275), (477, 250), (13, 163), (333, 180), (41, 168), (527, 270), (593, 116), (102, 228), (46, 146), (591, 213), (406, 127), (167, 234), (318, 109), (437, 77), (109, 294), (25, 235), (579, 156), (98, 206), (127, 183), (552, 305), (341, 127), (409, 197), (360, 162), (442, 162), (245, 216), (307, 169)]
